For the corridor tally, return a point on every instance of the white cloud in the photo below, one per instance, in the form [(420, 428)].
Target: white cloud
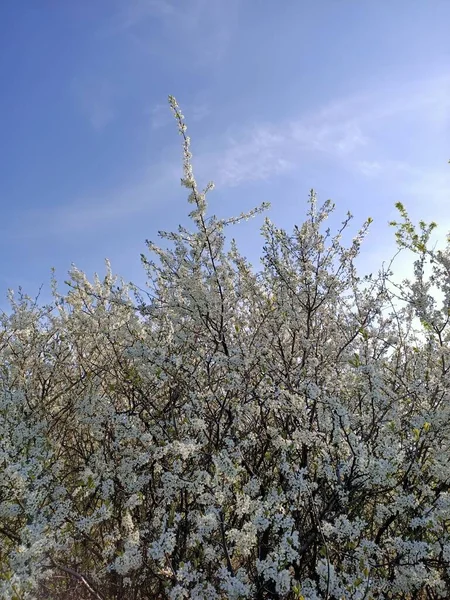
[(161, 115), (199, 23), (98, 211), (199, 112), (353, 132), (432, 186), (339, 138), (349, 133), (257, 155), (131, 13), (385, 168), (96, 100), (370, 168)]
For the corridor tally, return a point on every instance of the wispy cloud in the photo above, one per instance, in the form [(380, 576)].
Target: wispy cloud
[(433, 187), (199, 23), (257, 154), (380, 167), (370, 168), (338, 138), (355, 132), (98, 211), (96, 100), (133, 12), (348, 133), (161, 116)]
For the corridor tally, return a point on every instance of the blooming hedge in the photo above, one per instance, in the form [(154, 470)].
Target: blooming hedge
[(230, 433)]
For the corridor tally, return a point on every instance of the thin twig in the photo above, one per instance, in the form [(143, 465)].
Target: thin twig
[(327, 555), (81, 578)]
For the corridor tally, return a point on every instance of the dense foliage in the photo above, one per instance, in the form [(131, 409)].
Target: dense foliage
[(230, 433)]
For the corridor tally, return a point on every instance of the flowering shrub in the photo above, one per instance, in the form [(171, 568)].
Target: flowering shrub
[(230, 433)]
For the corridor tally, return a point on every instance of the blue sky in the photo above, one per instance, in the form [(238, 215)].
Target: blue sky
[(349, 97)]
